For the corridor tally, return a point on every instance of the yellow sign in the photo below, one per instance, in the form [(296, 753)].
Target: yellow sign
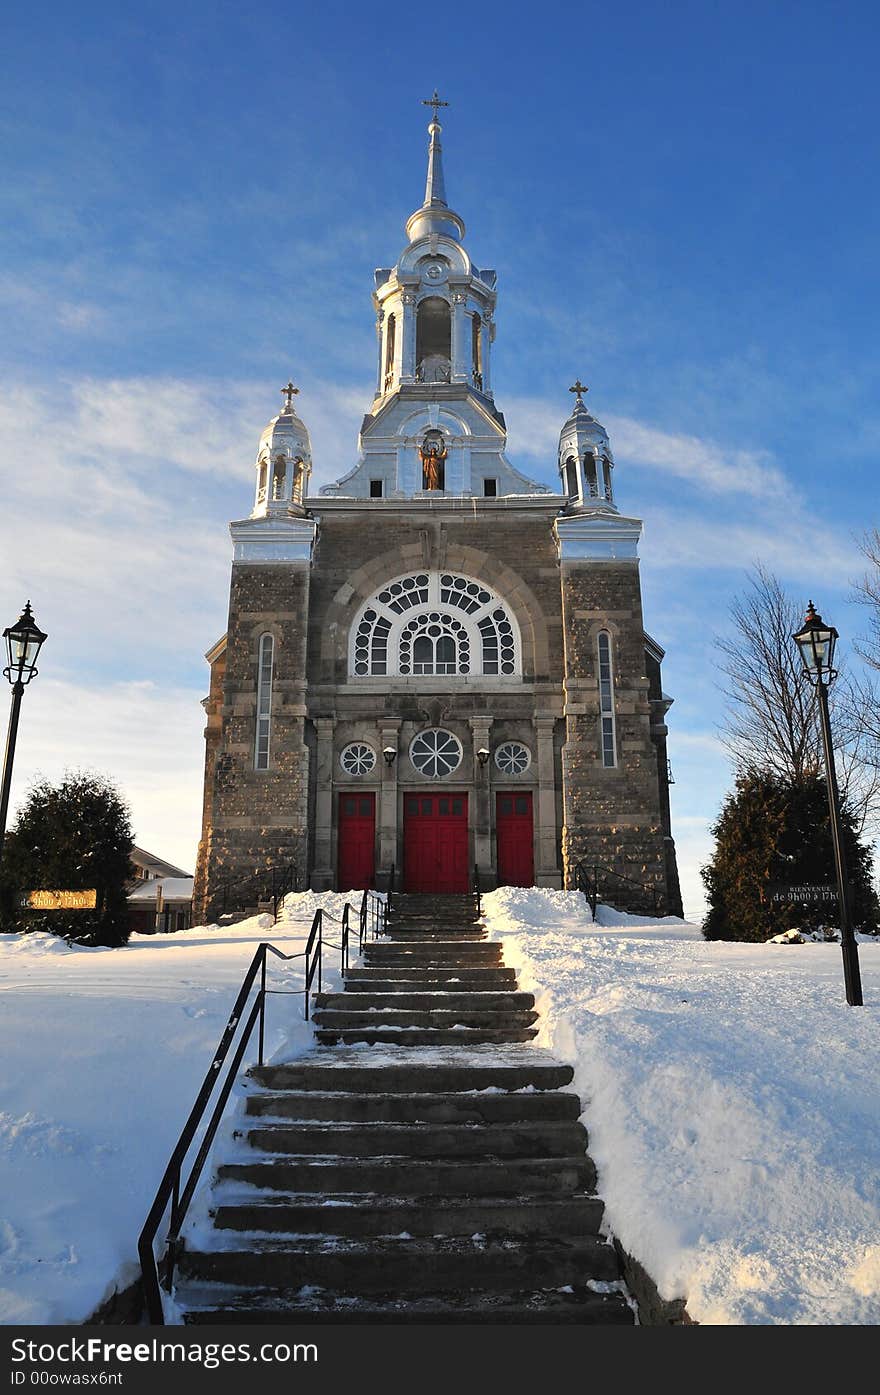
[(62, 900)]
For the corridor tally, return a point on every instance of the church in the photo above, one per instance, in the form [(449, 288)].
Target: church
[(435, 664)]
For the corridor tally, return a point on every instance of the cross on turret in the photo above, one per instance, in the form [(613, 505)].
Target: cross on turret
[(434, 102), (288, 393), (580, 388)]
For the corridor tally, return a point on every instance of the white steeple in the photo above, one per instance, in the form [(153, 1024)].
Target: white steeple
[(433, 427), (585, 460), (284, 462)]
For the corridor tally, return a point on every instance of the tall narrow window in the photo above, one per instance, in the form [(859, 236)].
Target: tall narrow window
[(606, 700), (278, 473), (477, 350), (264, 702), (571, 477), (389, 350), (590, 473)]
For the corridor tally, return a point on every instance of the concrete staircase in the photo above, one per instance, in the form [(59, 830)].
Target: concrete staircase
[(424, 1164)]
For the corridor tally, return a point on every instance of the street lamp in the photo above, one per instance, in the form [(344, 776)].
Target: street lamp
[(24, 640), (816, 642)]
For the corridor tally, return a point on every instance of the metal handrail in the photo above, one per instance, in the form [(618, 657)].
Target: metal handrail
[(590, 885), (477, 890), (172, 1188), (272, 883)]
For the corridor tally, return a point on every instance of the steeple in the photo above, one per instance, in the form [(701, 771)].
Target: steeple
[(585, 459), (435, 216)]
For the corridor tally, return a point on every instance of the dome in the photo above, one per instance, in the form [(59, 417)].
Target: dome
[(585, 459), (284, 460)]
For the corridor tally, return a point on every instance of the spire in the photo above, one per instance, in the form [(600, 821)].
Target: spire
[(435, 215), (435, 187)]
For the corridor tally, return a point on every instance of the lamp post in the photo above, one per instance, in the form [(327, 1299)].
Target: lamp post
[(816, 642), (23, 642)]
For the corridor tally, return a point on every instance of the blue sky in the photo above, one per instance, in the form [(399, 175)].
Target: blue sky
[(681, 201)]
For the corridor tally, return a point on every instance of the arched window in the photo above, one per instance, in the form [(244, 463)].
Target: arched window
[(606, 701), (433, 340), (477, 350), (278, 471), (390, 335), (434, 623), (606, 473), (264, 702), (261, 482), (590, 474), (571, 477)]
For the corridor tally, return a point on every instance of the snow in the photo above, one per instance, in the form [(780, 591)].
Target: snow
[(732, 1101), (731, 1096), (103, 1052)]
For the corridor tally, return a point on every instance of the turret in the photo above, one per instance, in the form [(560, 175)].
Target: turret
[(284, 462), (585, 460)]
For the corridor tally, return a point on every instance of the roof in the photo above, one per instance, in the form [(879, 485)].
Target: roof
[(156, 865), (172, 888)]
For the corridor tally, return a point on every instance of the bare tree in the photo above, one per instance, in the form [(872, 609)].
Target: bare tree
[(867, 592), (772, 718)]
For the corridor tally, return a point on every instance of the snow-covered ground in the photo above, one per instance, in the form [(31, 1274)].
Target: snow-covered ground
[(102, 1052), (732, 1099)]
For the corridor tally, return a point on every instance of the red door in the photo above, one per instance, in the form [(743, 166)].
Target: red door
[(515, 839), (357, 841), (435, 842)]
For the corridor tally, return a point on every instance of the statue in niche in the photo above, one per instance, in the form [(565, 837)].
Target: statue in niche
[(433, 453)]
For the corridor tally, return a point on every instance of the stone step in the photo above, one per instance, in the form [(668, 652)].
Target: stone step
[(210, 1305), (432, 933), (536, 1138), (352, 1214), (400, 1266), (424, 1072), (422, 957), (329, 1019), (405, 1000), (405, 1037), (476, 949), (384, 1177), (471, 1107), (468, 979)]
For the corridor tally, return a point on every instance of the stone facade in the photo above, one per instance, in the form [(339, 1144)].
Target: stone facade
[(491, 640)]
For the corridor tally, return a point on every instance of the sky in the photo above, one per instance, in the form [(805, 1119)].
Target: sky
[(682, 204)]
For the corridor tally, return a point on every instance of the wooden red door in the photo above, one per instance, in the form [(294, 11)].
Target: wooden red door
[(435, 842), (357, 841), (514, 834)]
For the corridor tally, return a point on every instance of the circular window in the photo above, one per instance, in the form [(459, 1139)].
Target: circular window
[(512, 758), (435, 753), (357, 759)]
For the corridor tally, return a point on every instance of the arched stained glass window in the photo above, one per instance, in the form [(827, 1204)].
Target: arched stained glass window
[(264, 702), (606, 701)]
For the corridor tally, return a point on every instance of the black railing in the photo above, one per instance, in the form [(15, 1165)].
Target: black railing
[(268, 886), (372, 919), (604, 884), (477, 890)]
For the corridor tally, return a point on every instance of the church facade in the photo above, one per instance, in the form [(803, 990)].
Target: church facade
[(436, 663)]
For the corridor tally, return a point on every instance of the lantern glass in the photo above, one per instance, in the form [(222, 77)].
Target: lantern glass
[(816, 642), (24, 640)]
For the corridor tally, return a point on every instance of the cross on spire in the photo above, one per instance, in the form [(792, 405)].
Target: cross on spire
[(580, 388), (288, 393), (434, 102)]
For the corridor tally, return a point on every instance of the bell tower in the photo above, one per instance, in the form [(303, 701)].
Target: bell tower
[(433, 426)]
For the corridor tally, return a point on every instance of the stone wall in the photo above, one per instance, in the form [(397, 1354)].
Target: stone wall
[(612, 816)]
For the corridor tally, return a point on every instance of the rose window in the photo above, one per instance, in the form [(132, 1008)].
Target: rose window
[(512, 758), (357, 759), (435, 753)]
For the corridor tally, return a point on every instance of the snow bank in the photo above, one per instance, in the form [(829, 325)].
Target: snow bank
[(103, 1052), (732, 1100)]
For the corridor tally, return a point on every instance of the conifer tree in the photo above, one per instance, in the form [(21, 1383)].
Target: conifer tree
[(72, 836), (777, 830)]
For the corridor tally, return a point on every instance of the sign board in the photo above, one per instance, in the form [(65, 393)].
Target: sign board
[(806, 893), (62, 900)]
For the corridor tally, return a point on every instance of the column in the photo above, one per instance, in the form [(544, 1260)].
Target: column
[(481, 819), (323, 874), (460, 339), (486, 352), (547, 869), (408, 338), (389, 733), (380, 351)]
